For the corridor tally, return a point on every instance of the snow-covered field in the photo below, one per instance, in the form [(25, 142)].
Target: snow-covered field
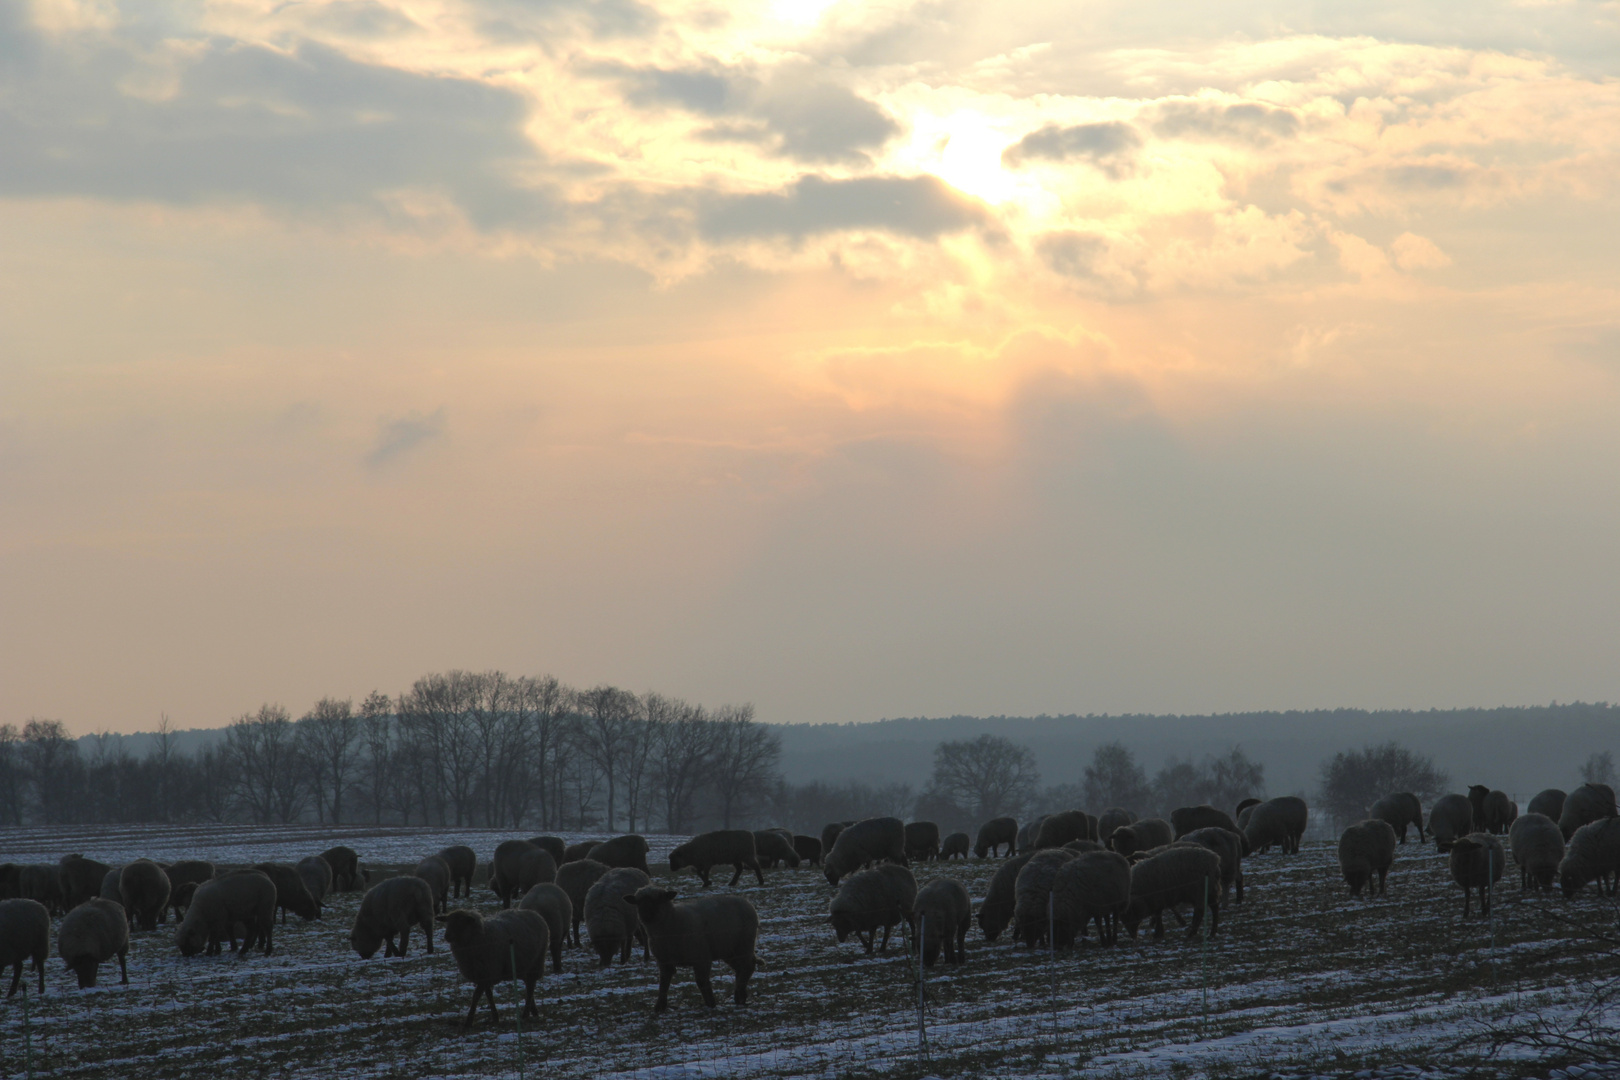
[(1301, 979)]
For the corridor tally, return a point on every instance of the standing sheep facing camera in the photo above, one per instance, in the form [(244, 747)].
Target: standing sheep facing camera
[(869, 841), (391, 907), (143, 889), (943, 912), (242, 898), (773, 847), (995, 833), (706, 850), (873, 900), (1584, 805), (1400, 809), (463, 863), (1451, 817), (1538, 848), (25, 934), (611, 919), (91, 933), (1179, 874), (507, 945), (954, 845), (553, 904), (1477, 862), (1593, 854), (1366, 852), (922, 841), (696, 934)]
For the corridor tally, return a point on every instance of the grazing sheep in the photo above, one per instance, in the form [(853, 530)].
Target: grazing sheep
[(629, 850), (1538, 848), (575, 879), (943, 912), (1549, 803), (610, 919), (953, 845), (922, 841), (695, 934), (773, 847), (1179, 874), (143, 889), (869, 841), (25, 934), (1113, 818), (872, 900), (1366, 851), (1500, 813), (42, 882), (1058, 829), (1083, 845), (79, 879), (1450, 817), (1032, 905), (1140, 836), (993, 834), (247, 897), (505, 869), (1237, 812), (463, 862), (1184, 820), (808, 848), (553, 904), (436, 872), (581, 850), (1231, 849), (554, 844), (1593, 854), (706, 850), (1093, 886), (316, 874), (184, 877), (1477, 862), (91, 933), (109, 885), (1028, 833), (291, 895), (1400, 809), (1584, 805), (508, 945), (391, 907), (1001, 896), (346, 873), (829, 834)]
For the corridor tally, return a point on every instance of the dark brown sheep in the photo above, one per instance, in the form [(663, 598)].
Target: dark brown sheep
[(942, 915), (575, 879), (829, 834), (696, 933), (1113, 818), (316, 874), (554, 844), (42, 882), (922, 841), (1229, 847), (1500, 813), (463, 863), (1179, 874), (955, 845), (629, 850), (581, 850), (773, 848), (1185, 819), (1548, 803), (1278, 821), (184, 877), (346, 873), (1477, 862), (1141, 835), (718, 848), (1593, 854), (1058, 829), (1095, 886), (534, 867), (995, 833), (873, 900), (1538, 848), (1032, 909), (508, 945), (1001, 896), (549, 899), (25, 934), (436, 872), (808, 849), (610, 919), (94, 932), (10, 881), (505, 869), (1584, 805), (245, 897), (869, 841), (1366, 852), (291, 895), (389, 908), (1400, 809), (1450, 817), (79, 879), (143, 890)]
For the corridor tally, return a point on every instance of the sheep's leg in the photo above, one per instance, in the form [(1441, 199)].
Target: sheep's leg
[(867, 940), (16, 979), (646, 943), (736, 874), (701, 971), (759, 873), (1158, 925), (405, 939), (123, 972), (666, 973), (472, 1013), (885, 946), (427, 934), (529, 1007), (268, 932), (556, 953), (388, 948), (744, 969)]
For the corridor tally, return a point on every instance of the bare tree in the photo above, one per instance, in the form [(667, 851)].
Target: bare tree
[(607, 715), (745, 761), (264, 763), (436, 721), (1599, 769), (375, 728), (543, 704), (1115, 779), (1222, 781), (328, 736), (162, 757), (987, 777), (11, 775), (1352, 780), (686, 744), (51, 760)]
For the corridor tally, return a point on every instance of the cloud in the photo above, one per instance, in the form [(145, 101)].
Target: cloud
[(547, 21), (396, 438), (1413, 252), (1258, 125), (1108, 146), (923, 207)]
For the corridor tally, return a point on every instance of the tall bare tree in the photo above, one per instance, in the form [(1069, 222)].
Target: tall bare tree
[(51, 759), (544, 704), (328, 737), (745, 761), (264, 762), (607, 716), (686, 744), (1115, 779), (436, 719), (1352, 780), (376, 728), (988, 776), (11, 775)]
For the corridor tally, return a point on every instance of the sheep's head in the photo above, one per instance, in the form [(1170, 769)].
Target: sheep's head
[(678, 860), (85, 968), (365, 942), (192, 938), (461, 927), (1570, 882), (650, 902), (1477, 791), (840, 924)]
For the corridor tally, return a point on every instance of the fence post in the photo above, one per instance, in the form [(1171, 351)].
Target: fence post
[(520, 1003), (1203, 1023), (922, 992), (28, 1038)]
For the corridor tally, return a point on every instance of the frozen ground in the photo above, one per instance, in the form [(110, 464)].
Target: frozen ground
[(1301, 981)]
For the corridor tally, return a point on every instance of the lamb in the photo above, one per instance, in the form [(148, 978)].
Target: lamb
[(612, 921), (507, 945), (869, 841), (773, 847), (1400, 809), (808, 848), (1032, 892), (1450, 817), (697, 933), (629, 850), (41, 882), (575, 879), (953, 845), (553, 844), (291, 895), (1229, 846), (922, 841), (1538, 848), (462, 862), (143, 890), (1593, 854), (25, 934), (346, 873), (1584, 805), (1179, 874), (1477, 862), (247, 897), (553, 904), (316, 874), (1058, 829), (943, 912), (705, 850), (581, 850), (1113, 818), (1188, 818), (1028, 833), (93, 932), (1001, 896), (1366, 851), (80, 879), (1500, 812), (390, 907), (1093, 886), (1140, 836), (436, 872), (1549, 803), (872, 900), (993, 834), (506, 869)]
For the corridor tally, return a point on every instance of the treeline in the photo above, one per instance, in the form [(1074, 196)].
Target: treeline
[(457, 749)]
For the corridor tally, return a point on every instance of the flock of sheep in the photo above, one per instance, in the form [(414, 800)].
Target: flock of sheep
[(1062, 875)]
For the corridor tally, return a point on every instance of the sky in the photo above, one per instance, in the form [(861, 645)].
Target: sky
[(854, 360)]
